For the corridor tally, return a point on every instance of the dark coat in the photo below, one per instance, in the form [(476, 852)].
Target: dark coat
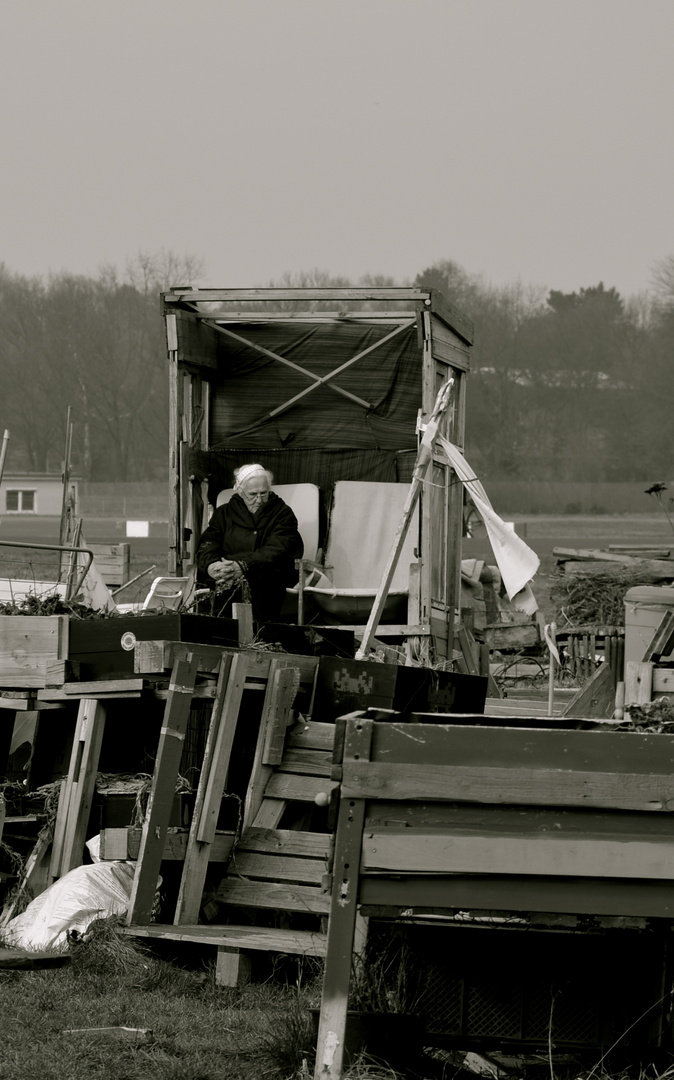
[(266, 541)]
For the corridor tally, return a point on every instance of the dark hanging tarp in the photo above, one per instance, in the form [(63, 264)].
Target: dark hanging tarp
[(250, 385), (321, 467)]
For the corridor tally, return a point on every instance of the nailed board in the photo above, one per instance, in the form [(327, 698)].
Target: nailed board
[(263, 939)]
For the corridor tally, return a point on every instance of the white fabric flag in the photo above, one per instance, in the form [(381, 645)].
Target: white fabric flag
[(515, 559)]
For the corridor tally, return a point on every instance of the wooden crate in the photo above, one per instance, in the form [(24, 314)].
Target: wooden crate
[(113, 562), (33, 649)]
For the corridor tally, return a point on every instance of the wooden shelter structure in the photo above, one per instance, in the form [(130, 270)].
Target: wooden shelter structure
[(320, 385)]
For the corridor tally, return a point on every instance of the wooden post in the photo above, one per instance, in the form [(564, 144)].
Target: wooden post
[(424, 459), (243, 613), (282, 689), (342, 924), (78, 791), (169, 753), (211, 787), (551, 671)]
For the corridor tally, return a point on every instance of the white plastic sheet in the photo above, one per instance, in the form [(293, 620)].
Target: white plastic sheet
[(90, 892)]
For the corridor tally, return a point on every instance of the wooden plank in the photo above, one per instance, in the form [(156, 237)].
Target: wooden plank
[(102, 686), (343, 912), (277, 711), (286, 841), (277, 868), (306, 762), (49, 699), (196, 858), (563, 554), (410, 851), (125, 844), (17, 704), (312, 735), (596, 698), (578, 896), (475, 819), (81, 783), (60, 823), (528, 787), (626, 751), (19, 960), (154, 657), (649, 569), (217, 774), (638, 683), (232, 967), (255, 938), (243, 613), (663, 681), (663, 639), (235, 892), (160, 803), (270, 813), (282, 686), (293, 788), (228, 296)]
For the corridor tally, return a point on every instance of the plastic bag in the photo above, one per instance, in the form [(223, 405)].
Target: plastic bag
[(86, 893)]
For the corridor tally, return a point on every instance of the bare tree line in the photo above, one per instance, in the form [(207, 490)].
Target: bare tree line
[(566, 386)]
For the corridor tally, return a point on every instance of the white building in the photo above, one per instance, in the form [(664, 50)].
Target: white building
[(33, 493)]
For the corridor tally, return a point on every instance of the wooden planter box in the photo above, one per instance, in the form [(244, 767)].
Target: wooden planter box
[(344, 686), (96, 644), (33, 650)]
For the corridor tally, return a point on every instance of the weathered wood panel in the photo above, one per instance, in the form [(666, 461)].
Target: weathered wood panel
[(415, 851)]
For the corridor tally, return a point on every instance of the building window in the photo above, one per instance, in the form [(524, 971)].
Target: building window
[(20, 501)]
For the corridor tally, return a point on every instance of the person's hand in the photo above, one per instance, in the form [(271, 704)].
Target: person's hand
[(225, 571)]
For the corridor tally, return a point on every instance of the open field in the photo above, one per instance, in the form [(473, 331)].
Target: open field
[(541, 532)]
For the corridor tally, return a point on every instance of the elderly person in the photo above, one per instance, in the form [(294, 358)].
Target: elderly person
[(252, 539)]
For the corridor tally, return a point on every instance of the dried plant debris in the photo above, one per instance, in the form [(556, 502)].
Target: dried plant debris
[(585, 598), (657, 716)]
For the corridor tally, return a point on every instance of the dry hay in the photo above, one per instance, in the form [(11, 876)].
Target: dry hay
[(584, 599)]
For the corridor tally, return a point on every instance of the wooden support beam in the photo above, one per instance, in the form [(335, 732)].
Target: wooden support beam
[(232, 967), (282, 688), (342, 924), (75, 803), (596, 698), (638, 682), (662, 641), (212, 781), (171, 740)]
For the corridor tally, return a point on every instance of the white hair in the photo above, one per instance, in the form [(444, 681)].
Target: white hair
[(246, 472)]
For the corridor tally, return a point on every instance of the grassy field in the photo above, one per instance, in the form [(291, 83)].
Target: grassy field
[(183, 1027)]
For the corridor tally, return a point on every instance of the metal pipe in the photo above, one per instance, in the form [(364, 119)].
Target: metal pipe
[(134, 579), (57, 547)]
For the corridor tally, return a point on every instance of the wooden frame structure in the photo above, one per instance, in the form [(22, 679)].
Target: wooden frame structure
[(436, 819), (199, 323)]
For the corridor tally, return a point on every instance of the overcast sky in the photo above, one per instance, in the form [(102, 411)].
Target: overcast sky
[(527, 140)]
